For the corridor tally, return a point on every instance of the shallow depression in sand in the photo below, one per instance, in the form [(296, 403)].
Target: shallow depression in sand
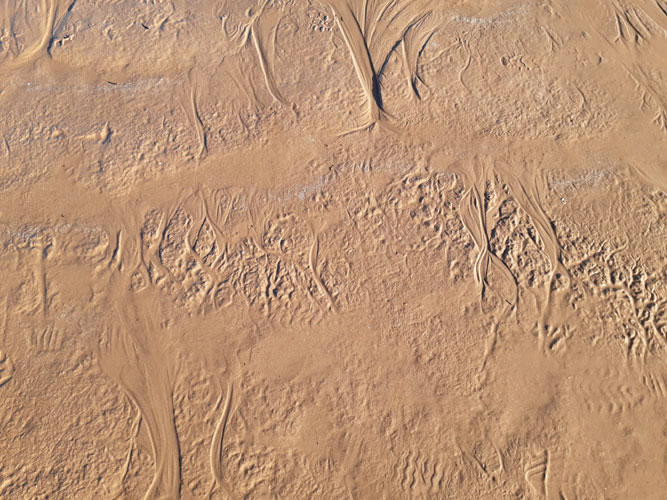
[(334, 249)]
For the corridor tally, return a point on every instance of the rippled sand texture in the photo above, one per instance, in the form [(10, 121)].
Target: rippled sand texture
[(333, 249)]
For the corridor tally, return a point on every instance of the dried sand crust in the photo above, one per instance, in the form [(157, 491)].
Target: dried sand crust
[(333, 249)]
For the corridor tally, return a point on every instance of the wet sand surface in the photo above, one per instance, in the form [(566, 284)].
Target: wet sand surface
[(333, 249)]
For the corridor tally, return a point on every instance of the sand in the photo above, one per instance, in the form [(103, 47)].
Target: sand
[(333, 249)]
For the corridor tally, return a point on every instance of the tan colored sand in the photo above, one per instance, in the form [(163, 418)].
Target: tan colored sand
[(333, 249)]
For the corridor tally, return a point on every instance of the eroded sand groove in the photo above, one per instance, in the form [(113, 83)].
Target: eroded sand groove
[(355, 249), (192, 252)]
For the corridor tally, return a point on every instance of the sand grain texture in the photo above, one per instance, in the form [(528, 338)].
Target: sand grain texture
[(333, 249)]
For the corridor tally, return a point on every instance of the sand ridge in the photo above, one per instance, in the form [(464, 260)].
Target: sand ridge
[(355, 249)]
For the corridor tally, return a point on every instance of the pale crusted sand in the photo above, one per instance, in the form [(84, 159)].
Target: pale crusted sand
[(333, 249)]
